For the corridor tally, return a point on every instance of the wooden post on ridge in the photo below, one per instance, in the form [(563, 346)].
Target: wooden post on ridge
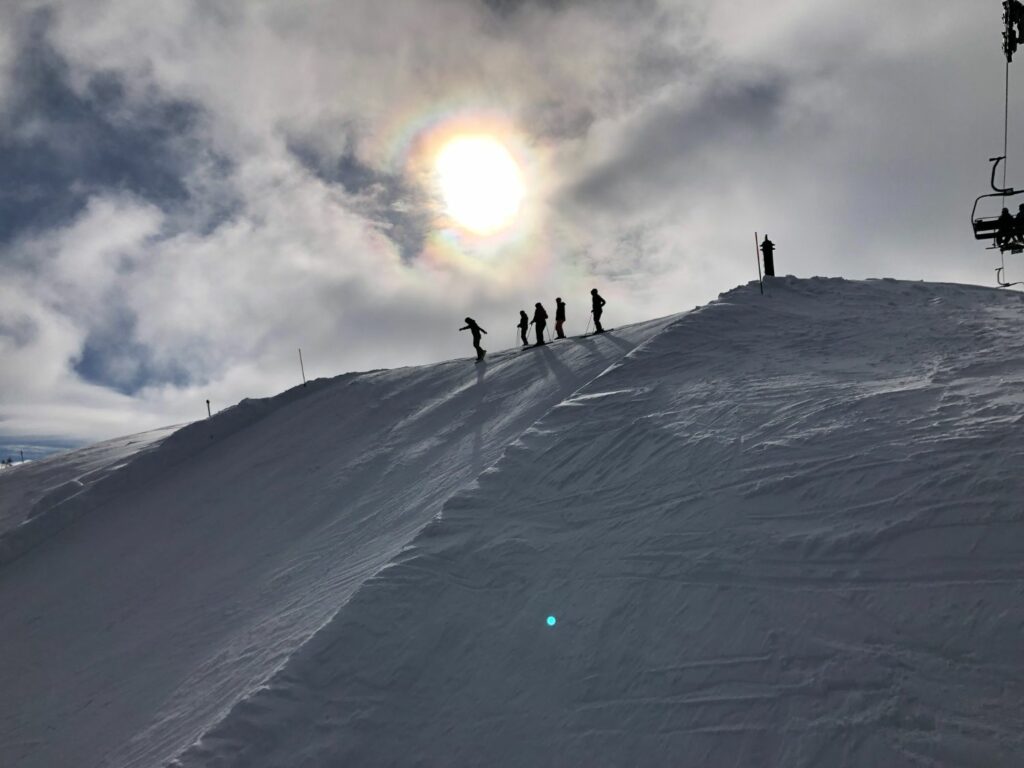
[(757, 257)]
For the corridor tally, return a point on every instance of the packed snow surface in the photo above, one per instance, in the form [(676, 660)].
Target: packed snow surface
[(778, 530), (193, 572), (40, 497)]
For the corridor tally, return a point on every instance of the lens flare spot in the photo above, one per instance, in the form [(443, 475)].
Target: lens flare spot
[(551, 621), (480, 182)]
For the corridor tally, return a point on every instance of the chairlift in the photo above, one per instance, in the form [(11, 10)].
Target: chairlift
[(1005, 231), (1007, 237)]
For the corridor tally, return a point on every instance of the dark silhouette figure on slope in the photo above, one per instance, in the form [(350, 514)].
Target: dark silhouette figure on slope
[(540, 319), (559, 318), (597, 307), (768, 249), (524, 325), (476, 330)]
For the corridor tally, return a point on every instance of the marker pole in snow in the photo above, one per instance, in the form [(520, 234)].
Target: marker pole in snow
[(757, 258), (208, 414), (302, 367), (22, 456)]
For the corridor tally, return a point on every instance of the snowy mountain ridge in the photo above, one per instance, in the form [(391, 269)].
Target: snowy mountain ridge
[(199, 567), (779, 530)]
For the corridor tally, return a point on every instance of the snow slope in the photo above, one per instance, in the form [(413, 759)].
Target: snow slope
[(40, 497), (198, 568), (786, 531)]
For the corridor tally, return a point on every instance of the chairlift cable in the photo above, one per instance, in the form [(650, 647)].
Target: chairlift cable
[(1006, 123)]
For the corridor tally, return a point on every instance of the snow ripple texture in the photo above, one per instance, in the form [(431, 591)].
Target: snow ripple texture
[(142, 597), (787, 531), (775, 531)]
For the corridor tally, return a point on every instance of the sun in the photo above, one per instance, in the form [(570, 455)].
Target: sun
[(481, 183)]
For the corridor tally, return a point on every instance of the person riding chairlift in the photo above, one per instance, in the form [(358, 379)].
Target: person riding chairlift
[(1005, 226), (1018, 224)]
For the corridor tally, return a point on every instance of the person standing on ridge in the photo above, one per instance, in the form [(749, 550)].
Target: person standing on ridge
[(540, 319), (524, 324), (768, 249), (476, 330), (559, 318), (598, 307)]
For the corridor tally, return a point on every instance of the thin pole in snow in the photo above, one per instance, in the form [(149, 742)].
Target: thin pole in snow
[(22, 456), (302, 367), (208, 414), (757, 258)]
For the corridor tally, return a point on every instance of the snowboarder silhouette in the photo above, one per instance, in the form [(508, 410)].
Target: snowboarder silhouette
[(768, 249), (559, 318), (476, 330), (524, 324), (540, 319), (598, 307)]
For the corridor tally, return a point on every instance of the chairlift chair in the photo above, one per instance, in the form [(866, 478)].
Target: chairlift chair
[(988, 227)]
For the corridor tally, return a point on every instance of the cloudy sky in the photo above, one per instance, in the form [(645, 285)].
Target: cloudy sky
[(191, 191)]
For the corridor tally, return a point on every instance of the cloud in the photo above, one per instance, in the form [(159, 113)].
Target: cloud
[(395, 203), (197, 190), (674, 143), (63, 142)]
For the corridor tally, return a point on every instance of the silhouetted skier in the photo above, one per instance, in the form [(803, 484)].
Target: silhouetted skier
[(768, 249), (559, 317), (476, 330), (597, 304), (540, 319), (524, 325)]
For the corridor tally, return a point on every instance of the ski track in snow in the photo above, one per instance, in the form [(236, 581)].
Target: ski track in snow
[(785, 531), (143, 596)]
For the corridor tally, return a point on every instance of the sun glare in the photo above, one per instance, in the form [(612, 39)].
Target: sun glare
[(481, 183)]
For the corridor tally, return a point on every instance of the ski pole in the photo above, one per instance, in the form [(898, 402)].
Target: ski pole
[(587, 329)]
